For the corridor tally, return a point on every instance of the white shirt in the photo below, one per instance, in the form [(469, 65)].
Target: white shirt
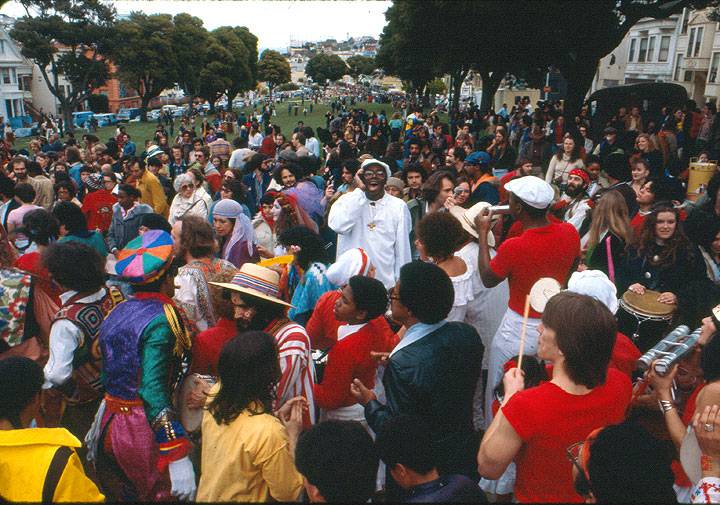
[(313, 145), (255, 140), (381, 228), (65, 338)]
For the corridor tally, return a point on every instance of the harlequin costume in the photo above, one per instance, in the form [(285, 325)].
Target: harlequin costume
[(145, 344), (74, 367)]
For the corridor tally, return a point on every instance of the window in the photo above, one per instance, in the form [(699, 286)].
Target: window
[(5, 73), (678, 65), (664, 48), (13, 76), (642, 53), (651, 49), (688, 76), (691, 43), (714, 63), (631, 54), (685, 19), (698, 41)]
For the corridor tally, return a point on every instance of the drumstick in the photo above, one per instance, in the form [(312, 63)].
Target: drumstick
[(526, 314)]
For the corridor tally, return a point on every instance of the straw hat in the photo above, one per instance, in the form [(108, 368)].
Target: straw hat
[(257, 281), (467, 219)]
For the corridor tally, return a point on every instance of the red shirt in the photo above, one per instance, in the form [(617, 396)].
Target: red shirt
[(322, 325), (548, 251), (624, 354), (98, 209), (549, 420), (209, 343), (350, 359), (504, 180)]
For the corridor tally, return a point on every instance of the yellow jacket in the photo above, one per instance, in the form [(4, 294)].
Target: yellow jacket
[(152, 193), (25, 467)]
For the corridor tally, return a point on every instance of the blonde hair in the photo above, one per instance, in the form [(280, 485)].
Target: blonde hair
[(611, 214)]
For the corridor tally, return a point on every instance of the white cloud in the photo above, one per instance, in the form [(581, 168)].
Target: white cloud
[(275, 23)]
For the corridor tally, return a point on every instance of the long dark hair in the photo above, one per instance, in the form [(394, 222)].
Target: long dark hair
[(248, 370), (668, 253)]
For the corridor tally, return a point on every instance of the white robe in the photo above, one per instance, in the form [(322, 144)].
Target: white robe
[(381, 228)]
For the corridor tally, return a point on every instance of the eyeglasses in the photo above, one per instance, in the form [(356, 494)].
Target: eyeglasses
[(373, 173), (185, 186)]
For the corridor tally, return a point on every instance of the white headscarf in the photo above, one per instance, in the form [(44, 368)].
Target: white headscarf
[(351, 262), (596, 284), (243, 229)]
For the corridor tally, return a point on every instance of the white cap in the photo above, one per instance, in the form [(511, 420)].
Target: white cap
[(532, 190), (373, 161), (596, 284), (352, 262)]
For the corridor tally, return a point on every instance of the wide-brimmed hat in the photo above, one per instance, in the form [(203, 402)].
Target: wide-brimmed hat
[(145, 258), (467, 219), (257, 281)]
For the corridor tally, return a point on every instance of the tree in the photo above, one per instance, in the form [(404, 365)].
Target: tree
[(273, 68), (361, 65), (67, 39), (326, 66), (232, 63), (190, 43), (145, 55), (436, 87)]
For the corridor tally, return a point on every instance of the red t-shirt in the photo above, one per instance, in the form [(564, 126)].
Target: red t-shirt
[(209, 343), (322, 326), (350, 359), (98, 209), (548, 251), (549, 420)]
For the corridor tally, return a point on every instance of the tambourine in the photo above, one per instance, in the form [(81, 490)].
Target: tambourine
[(543, 289)]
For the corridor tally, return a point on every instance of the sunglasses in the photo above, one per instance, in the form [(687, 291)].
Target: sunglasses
[(185, 186)]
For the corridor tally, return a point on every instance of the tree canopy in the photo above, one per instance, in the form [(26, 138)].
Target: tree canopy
[(326, 66), (145, 54), (231, 66), (273, 68), (568, 35), (361, 65), (67, 40)]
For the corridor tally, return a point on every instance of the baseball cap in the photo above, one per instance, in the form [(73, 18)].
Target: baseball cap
[(532, 190), (478, 158)]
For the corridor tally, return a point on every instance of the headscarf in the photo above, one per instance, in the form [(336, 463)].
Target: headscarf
[(243, 229), (295, 214), (309, 197), (351, 262), (596, 284)]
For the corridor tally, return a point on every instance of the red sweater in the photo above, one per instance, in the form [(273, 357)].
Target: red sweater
[(350, 359), (209, 343), (98, 209), (322, 326)]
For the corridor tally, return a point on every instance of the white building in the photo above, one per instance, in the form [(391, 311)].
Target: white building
[(15, 74)]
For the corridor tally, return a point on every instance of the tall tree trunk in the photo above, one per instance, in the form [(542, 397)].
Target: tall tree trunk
[(490, 86), (579, 79), (67, 111), (458, 77), (145, 101)]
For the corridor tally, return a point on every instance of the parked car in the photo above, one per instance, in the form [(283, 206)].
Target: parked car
[(106, 119), (80, 118), (179, 112), (128, 114), (154, 115)]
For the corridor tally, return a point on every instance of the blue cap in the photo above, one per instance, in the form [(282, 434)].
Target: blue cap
[(478, 158)]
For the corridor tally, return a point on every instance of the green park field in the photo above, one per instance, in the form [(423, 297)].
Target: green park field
[(140, 132)]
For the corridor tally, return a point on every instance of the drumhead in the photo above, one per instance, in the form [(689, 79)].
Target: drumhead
[(544, 289), (647, 304)]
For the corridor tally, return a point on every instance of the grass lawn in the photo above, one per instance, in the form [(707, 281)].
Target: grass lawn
[(139, 132)]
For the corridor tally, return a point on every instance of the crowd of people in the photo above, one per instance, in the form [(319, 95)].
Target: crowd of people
[(376, 310)]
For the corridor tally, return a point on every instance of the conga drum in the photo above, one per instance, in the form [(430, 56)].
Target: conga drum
[(699, 177), (191, 419), (643, 318)]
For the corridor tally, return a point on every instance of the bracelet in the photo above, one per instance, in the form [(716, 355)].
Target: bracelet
[(665, 406)]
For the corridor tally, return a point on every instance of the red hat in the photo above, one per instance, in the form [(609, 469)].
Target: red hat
[(582, 174)]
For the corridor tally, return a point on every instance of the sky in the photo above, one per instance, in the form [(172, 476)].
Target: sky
[(275, 23)]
